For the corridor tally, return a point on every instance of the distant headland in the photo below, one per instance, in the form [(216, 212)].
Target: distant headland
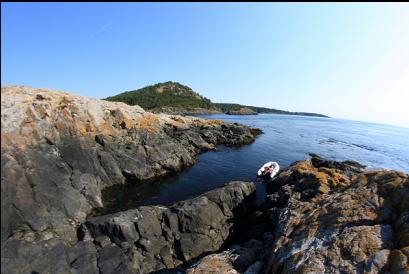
[(175, 98)]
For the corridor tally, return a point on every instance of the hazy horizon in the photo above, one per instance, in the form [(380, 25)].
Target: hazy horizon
[(347, 61)]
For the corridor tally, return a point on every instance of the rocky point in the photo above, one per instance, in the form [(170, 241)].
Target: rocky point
[(59, 151), (323, 216)]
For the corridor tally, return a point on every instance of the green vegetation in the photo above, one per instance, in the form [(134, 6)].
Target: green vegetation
[(225, 107), (168, 94), (175, 95), (228, 107)]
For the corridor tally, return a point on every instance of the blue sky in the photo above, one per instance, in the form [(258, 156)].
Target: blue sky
[(345, 60)]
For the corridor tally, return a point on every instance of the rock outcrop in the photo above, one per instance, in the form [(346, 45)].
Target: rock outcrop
[(161, 237), (242, 111), (335, 217), (59, 150), (324, 216), (246, 258), (140, 240)]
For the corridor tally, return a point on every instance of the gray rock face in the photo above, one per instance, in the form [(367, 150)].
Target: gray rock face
[(59, 151), (140, 240), (335, 217), (167, 237), (236, 259), (326, 217)]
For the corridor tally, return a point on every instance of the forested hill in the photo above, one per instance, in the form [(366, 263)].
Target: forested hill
[(175, 98), (168, 94), (225, 107)]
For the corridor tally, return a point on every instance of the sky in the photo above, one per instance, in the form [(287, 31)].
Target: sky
[(345, 60)]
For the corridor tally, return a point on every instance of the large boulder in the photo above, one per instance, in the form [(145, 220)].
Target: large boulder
[(336, 217)]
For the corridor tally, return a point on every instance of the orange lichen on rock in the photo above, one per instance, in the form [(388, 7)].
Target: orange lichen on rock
[(31, 115), (176, 121), (337, 179), (210, 122), (340, 217), (324, 178), (182, 121), (148, 122), (42, 111)]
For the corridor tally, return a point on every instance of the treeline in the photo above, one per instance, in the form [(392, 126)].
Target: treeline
[(163, 95), (176, 95), (226, 107)]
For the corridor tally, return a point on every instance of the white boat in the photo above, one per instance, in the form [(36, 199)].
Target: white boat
[(269, 169)]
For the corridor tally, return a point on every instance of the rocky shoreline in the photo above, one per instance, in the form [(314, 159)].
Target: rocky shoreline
[(241, 111), (323, 216), (60, 150), (185, 111)]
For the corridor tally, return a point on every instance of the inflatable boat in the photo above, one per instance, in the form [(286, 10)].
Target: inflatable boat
[(269, 169)]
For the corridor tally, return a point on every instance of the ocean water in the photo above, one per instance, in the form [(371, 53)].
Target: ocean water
[(286, 139)]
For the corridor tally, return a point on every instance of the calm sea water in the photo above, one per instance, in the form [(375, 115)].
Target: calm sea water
[(286, 139)]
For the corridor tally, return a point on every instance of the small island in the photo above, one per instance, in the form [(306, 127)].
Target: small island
[(242, 111), (175, 98)]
